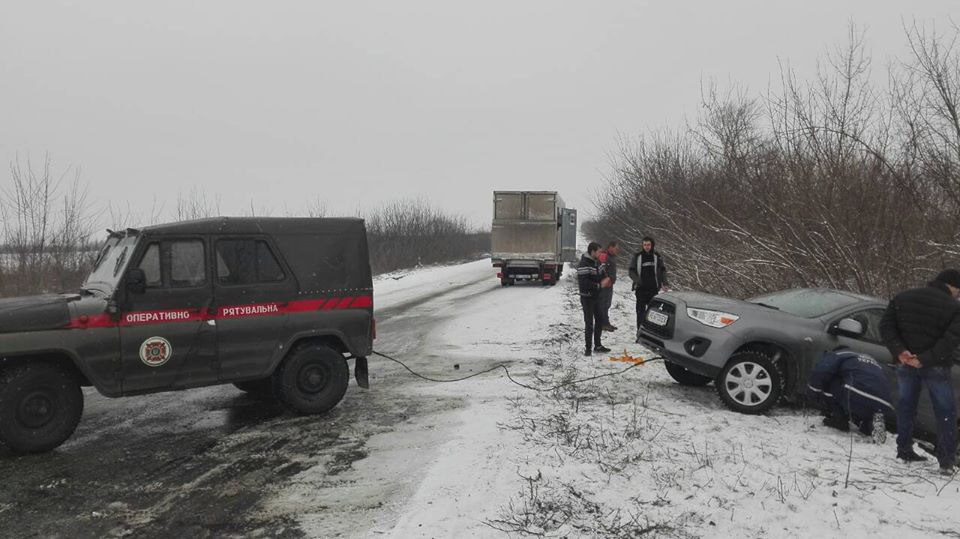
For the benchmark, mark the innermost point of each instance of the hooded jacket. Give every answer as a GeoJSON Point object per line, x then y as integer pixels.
{"type": "Point", "coordinates": [659, 274]}
{"type": "Point", "coordinates": [925, 321]}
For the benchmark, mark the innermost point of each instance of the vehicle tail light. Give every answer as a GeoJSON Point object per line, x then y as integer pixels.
{"type": "Point", "coordinates": [546, 276]}
{"type": "Point", "coordinates": [500, 275]}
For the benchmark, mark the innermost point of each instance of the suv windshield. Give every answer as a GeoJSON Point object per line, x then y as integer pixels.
{"type": "Point", "coordinates": [806, 303]}
{"type": "Point", "coordinates": [110, 264]}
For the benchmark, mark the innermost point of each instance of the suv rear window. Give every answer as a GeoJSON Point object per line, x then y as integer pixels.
{"type": "Point", "coordinates": [247, 261]}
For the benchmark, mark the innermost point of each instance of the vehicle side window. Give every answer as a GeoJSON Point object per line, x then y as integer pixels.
{"type": "Point", "coordinates": [150, 264]}
{"type": "Point", "coordinates": [871, 323]}
{"type": "Point", "coordinates": [187, 266]}
{"type": "Point", "coordinates": [247, 261]}
{"type": "Point", "coordinates": [268, 268]}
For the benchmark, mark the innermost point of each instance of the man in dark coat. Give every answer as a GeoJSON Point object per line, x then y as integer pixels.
{"type": "Point", "coordinates": [852, 386]}
{"type": "Point", "coordinates": [589, 277]}
{"type": "Point", "coordinates": [649, 276]}
{"type": "Point", "coordinates": [921, 328]}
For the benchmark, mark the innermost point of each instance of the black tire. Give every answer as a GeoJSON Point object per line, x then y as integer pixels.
{"type": "Point", "coordinates": [40, 406]}
{"type": "Point", "coordinates": [312, 379]}
{"type": "Point", "coordinates": [504, 282]}
{"type": "Point", "coordinates": [256, 387]}
{"type": "Point", "coordinates": [685, 377]}
{"type": "Point", "coordinates": [750, 383]}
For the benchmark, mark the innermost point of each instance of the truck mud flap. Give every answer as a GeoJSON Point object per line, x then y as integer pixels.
{"type": "Point", "coordinates": [361, 373]}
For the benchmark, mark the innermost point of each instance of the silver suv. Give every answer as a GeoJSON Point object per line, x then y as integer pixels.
{"type": "Point", "coordinates": [763, 349]}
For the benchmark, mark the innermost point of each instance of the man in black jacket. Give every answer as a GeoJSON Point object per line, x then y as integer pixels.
{"type": "Point", "coordinates": [921, 328]}
{"type": "Point", "coordinates": [649, 276]}
{"type": "Point", "coordinates": [589, 277]}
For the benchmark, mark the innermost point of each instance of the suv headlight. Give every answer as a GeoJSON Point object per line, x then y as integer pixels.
{"type": "Point", "coordinates": [714, 319]}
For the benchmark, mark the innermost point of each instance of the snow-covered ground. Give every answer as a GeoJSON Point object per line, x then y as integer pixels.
{"type": "Point", "coordinates": [621, 456]}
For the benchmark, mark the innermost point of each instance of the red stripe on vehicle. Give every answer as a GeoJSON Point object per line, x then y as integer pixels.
{"type": "Point", "coordinates": [305, 305]}
{"type": "Point", "coordinates": [169, 316]}
{"type": "Point", "coordinates": [363, 302]}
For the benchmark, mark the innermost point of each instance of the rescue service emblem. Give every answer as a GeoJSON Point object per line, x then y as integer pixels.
{"type": "Point", "coordinates": [155, 351]}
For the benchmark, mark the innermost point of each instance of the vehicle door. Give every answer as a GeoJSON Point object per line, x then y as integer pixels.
{"type": "Point", "coordinates": [253, 292]}
{"type": "Point", "coordinates": [869, 343]}
{"type": "Point", "coordinates": [166, 339]}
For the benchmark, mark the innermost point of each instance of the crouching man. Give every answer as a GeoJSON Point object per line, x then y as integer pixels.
{"type": "Point", "coordinates": [852, 387]}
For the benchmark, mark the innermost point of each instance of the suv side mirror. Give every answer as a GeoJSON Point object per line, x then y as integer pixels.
{"type": "Point", "coordinates": [136, 281]}
{"type": "Point", "coordinates": [848, 327]}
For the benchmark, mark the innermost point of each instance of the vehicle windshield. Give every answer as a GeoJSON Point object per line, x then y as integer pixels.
{"type": "Point", "coordinates": [806, 303]}
{"type": "Point", "coordinates": [110, 264]}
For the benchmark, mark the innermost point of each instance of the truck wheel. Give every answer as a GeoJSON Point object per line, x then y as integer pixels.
{"type": "Point", "coordinates": [750, 383]}
{"type": "Point", "coordinates": [257, 387]}
{"type": "Point", "coordinates": [40, 406]}
{"type": "Point", "coordinates": [685, 377]}
{"type": "Point", "coordinates": [312, 379]}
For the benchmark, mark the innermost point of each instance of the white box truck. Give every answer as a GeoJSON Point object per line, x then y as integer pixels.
{"type": "Point", "coordinates": [533, 235]}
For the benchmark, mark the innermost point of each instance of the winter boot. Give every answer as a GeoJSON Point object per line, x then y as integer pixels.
{"type": "Point", "coordinates": [601, 348]}
{"type": "Point", "coordinates": [910, 456]}
{"type": "Point", "coordinates": [839, 422]}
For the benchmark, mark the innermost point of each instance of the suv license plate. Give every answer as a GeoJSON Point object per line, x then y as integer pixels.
{"type": "Point", "coordinates": [658, 318]}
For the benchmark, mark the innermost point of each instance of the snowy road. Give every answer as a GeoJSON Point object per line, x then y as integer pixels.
{"type": "Point", "coordinates": [216, 461]}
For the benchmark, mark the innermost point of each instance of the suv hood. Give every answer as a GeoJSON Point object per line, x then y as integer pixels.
{"type": "Point", "coordinates": [35, 313]}
{"type": "Point", "coordinates": [700, 300]}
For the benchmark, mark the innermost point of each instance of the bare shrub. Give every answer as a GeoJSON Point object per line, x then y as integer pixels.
{"type": "Point", "coordinates": [825, 183]}
{"type": "Point", "coordinates": [409, 233]}
{"type": "Point", "coordinates": [46, 229]}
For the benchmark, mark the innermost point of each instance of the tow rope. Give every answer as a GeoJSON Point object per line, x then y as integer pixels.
{"type": "Point", "coordinates": [635, 362]}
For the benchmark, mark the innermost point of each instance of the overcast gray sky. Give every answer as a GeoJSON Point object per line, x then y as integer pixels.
{"type": "Point", "coordinates": [362, 102]}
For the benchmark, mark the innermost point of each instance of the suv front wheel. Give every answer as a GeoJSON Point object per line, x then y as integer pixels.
{"type": "Point", "coordinates": [312, 379]}
{"type": "Point", "coordinates": [750, 383]}
{"type": "Point", "coordinates": [40, 406]}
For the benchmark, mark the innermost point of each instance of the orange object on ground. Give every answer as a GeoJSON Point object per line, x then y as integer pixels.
{"type": "Point", "coordinates": [627, 358]}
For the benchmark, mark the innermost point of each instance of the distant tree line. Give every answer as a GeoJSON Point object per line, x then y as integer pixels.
{"type": "Point", "coordinates": [831, 182]}
{"type": "Point", "coordinates": [50, 233]}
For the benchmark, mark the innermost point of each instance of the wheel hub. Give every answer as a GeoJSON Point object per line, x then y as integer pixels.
{"type": "Point", "coordinates": [749, 384]}
{"type": "Point", "coordinates": [36, 409]}
{"type": "Point", "coordinates": [312, 379]}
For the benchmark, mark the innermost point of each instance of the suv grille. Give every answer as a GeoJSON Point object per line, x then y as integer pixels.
{"type": "Point", "coordinates": [669, 309]}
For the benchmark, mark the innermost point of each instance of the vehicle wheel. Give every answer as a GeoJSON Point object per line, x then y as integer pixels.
{"type": "Point", "coordinates": [750, 383]}
{"type": "Point", "coordinates": [685, 377]}
{"type": "Point", "coordinates": [312, 379]}
{"type": "Point", "coordinates": [258, 387]}
{"type": "Point", "coordinates": [40, 406]}
{"type": "Point", "coordinates": [504, 282]}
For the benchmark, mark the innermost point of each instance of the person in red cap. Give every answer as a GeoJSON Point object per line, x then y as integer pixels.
{"type": "Point", "coordinates": [921, 328]}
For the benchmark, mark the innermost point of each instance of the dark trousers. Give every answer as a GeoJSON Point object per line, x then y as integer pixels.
{"type": "Point", "coordinates": [937, 379]}
{"type": "Point", "coordinates": [593, 321]}
{"type": "Point", "coordinates": [644, 297]}
{"type": "Point", "coordinates": [606, 300]}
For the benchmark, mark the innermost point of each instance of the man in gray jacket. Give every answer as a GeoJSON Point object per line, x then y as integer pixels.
{"type": "Point", "coordinates": [606, 293]}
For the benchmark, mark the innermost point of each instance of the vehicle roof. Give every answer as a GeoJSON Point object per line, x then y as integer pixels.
{"type": "Point", "coordinates": [255, 225]}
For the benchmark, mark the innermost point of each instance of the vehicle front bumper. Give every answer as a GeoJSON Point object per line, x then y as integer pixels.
{"type": "Point", "coordinates": [699, 348]}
